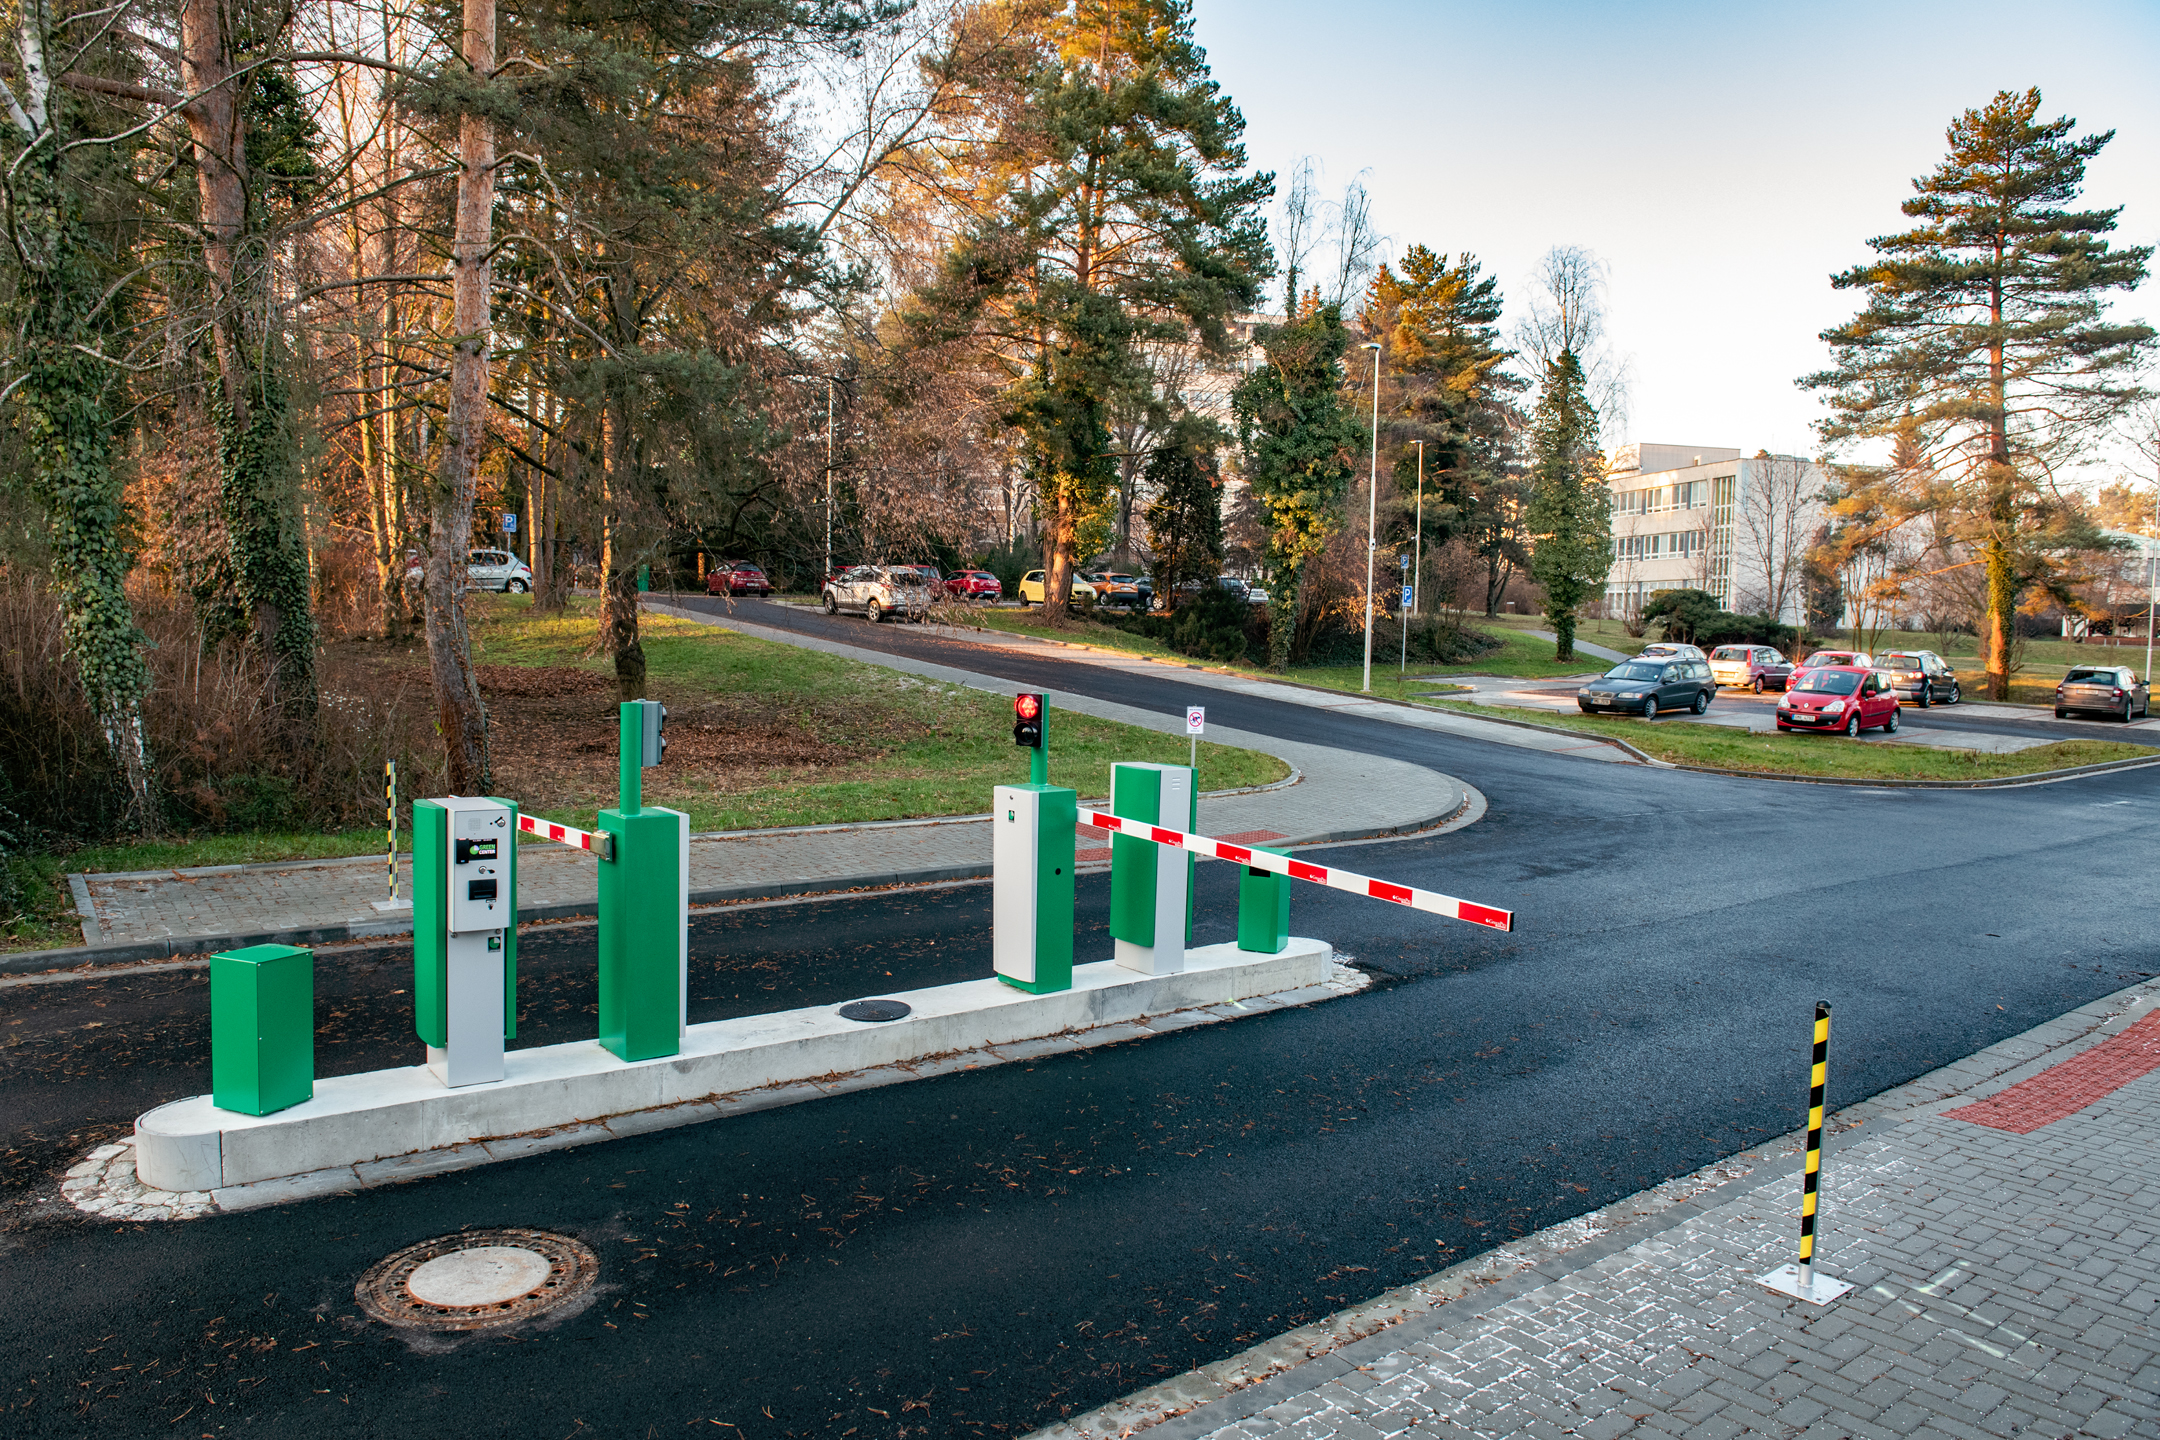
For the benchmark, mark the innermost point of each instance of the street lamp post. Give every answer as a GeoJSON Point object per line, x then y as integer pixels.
{"type": "Point", "coordinates": [2152, 585]}
{"type": "Point", "coordinates": [828, 481]}
{"type": "Point", "coordinates": [1372, 504]}
{"type": "Point", "coordinates": [1417, 549]}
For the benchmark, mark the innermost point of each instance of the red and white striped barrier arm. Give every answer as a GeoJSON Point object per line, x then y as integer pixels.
{"type": "Point", "coordinates": [599, 842]}
{"type": "Point", "coordinates": [1430, 901]}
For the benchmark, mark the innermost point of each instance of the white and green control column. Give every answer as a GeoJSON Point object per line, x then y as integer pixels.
{"type": "Point", "coordinates": [1150, 884]}
{"type": "Point", "coordinates": [1031, 854]}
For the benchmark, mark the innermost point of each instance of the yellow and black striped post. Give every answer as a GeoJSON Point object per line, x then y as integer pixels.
{"type": "Point", "coordinates": [389, 786]}
{"type": "Point", "coordinates": [1814, 1145]}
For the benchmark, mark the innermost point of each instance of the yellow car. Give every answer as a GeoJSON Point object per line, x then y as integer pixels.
{"type": "Point", "coordinates": [1031, 590]}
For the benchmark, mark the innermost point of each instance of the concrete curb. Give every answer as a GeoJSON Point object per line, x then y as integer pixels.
{"type": "Point", "coordinates": [2001, 782]}
{"type": "Point", "coordinates": [1241, 1386]}
{"type": "Point", "coordinates": [1469, 806]}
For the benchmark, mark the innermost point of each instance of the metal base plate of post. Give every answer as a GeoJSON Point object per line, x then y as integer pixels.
{"type": "Point", "coordinates": [1820, 1289]}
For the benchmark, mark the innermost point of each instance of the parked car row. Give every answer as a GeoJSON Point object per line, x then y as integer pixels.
{"type": "Point", "coordinates": [1844, 690]}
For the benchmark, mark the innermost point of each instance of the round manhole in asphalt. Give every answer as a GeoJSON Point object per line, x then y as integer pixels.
{"type": "Point", "coordinates": [875, 1010]}
{"type": "Point", "coordinates": [477, 1280]}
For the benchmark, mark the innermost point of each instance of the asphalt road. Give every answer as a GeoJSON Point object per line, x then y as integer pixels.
{"type": "Point", "coordinates": [981, 1253]}
{"type": "Point", "coordinates": [1032, 669]}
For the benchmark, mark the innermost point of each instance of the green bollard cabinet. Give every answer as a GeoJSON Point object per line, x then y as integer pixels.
{"type": "Point", "coordinates": [262, 1028]}
{"type": "Point", "coordinates": [1263, 909]}
{"type": "Point", "coordinates": [644, 907]}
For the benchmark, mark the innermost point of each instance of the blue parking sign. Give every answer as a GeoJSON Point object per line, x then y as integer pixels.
{"type": "Point", "coordinates": [509, 523]}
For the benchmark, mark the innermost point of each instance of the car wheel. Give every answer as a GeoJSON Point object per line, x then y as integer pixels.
{"type": "Point", "coordinates": [2126, 711]}
{"type": "Point", "coordinates": [1926, 696]}
{"type": "Point", "coordinates": [832, 606]}
{"type": "Point", "coordinates": [1889, 726]}
{"type": "Point", "coordinates": [1955, 693]}
{"type": "Point", "coordinates": [1702, 701]}
{"type": "Point", "coordinates": [2061, 714]}
{"type": "Point", "coordinates": [1649, 707]}
{"type": "Point", "coordinates": [1852, 726]}
{"type": "Point", "coordinates": [1758, 684]}
{"type": "Point", "coordinates": [874, 610]}
{"type": "Point", "coordinates": [517, 587]}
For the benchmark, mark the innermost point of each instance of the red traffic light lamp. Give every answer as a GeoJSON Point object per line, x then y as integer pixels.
{"type": "Point", "coordinates": [1030, 717]}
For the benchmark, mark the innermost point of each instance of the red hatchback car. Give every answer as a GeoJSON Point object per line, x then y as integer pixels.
{"type": "Point", "coordinates": [1839, 697]}
{"type": "Point", "coordinates": [974, 585]}
{"type": "Point", "coordinates": [737, 578]}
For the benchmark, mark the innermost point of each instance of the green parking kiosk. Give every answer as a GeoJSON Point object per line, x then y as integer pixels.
{"type": "Point", "coordinates": [262, 1028]}
{"type": "Point", "coordinates": [1150, 884]}
{"type": "Point", "coordinates": [465, 934]}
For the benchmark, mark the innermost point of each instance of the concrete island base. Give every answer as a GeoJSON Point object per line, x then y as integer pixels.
{"type": "Point", "coordinates": [390, 1125]}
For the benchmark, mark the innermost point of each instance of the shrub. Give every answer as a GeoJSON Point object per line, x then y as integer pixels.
{"type": "Point", "coordinates": [1694, 617]}
{"type": "Point", "coordinates": [221, 762]}
{"type": "Point", "coordinates": [1216, 625]}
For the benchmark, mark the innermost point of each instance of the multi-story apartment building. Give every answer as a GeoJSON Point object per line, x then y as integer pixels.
{"type": "Point", "coordinates": [1702, 517]}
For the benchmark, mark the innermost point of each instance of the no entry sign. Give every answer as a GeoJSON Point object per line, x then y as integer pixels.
{"type": "Point", "coordinates": [1195, 719]}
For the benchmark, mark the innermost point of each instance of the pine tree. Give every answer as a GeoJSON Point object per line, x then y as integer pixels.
{"type": "Point", "coordinates": [1570, 512]}
{"type": "Point", "coordinates": [1440, 320]}
{"type": "Point", "coordinates": [1301, 441]}
{"type": "Point", "coordinates": [1185, 518]}
{"type": "Point", "coordinates": [1110, 216]}
{"type": "Point", "coordinates": [1985, 338]}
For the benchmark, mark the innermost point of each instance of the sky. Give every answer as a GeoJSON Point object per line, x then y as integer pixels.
{"type": "Point", "coordinates": [1722, 159]}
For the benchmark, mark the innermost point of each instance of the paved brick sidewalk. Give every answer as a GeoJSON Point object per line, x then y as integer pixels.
{"type": "Point", "coordinates": [1336, 794]}
{"type": "Point", "coordinates": [2006, 1283]}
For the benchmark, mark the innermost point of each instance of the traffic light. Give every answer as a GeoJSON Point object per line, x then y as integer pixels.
{"type": "Point", "coordinates": [1028, 721]}
{"type": "Point", "coordinates": [652, 736]}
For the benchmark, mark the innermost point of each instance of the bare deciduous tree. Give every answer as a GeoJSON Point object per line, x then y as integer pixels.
{"type": "Point", "coordinates": [1567, 314]}
{"type": "Point", "coordinates": [1777, 510]}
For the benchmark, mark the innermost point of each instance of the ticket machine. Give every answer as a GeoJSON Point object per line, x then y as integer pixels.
{"type": "Point", "coordinates": [465, 934]}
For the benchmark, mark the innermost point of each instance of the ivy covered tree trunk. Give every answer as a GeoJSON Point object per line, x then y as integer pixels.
{"type": "Point", "coordinates": [63, 397]}
{"type": "Point", "coordinates": [258, 458]}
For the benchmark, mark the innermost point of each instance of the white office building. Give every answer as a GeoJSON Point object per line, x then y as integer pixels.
{"type": "Point", "coordinates": [1701, 517]}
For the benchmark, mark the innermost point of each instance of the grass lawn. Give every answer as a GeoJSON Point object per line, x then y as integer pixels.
{"type": "Point", "coordinates": [759, 734]}
{"type": "Point", "coordinates": [1725, 748]}
{"type": "Point", "coordinates": [1520, 656]}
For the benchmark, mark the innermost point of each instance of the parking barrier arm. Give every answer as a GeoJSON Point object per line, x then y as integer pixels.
{"type": "Point", "coordinates": [601, 844]}
{"type": "Point", "coordinates": [1430, 901]}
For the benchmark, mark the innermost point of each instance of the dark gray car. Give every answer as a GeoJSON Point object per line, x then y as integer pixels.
{"type": "Point", "coordinates": [2103, 689]}
{"type": "Point", "coordinates": [1644, 687]}
{"type": "Point", "coordinates": [1922, 676]}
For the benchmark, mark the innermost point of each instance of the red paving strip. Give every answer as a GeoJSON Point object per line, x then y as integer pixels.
{"type": "Point", "coordinates": [1099, 850]}
{"type": "Point", "coordinates": [2067, 1088]}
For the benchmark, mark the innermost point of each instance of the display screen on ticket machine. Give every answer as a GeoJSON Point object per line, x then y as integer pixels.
{"type": "Point", "coordinates": [479, 855]}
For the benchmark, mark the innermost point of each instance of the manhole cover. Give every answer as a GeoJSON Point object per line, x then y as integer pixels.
{"type": "Point", "coordinates": [874, 1010]}
{"type": "Point", "coordinates": [478, 1280]}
